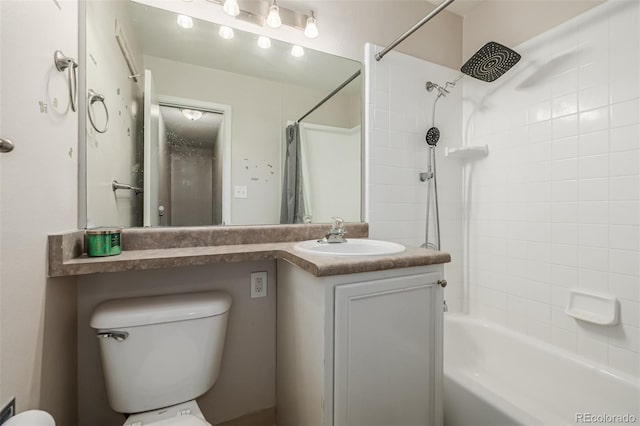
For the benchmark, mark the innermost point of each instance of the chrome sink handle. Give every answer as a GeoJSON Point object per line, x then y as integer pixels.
{"type": "Point", "coordinates": [338, 224]}
{"type": "Point", "coordinates": [336, 233]}
{"type": "Point", "coordinates": [117, 335]}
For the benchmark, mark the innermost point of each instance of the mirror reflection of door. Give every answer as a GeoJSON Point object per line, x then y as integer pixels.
{"type": "Point", "coordinates": [189, 166]}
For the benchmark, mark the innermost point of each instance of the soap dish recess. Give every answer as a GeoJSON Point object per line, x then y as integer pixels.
{"type": "Point", "coordinates": [597, 308]}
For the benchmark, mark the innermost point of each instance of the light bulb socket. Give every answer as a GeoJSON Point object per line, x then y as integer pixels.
{"type": "Point", "coordinates": [273, 18]}
{"type": "Point", "coordinates": [185, 21]}
{"type": "Point", "coordinates": [226, 32]}
{"type": "Point", "coordinates": [297, 51]}
{"type": "Point", "coordinates": [264, 42]}
{"type": "Point", "coordinates": [231, 7]}
{"type": "Point", "coordinates": [311, 27]}
{"type": "Point", "coordinates": [192, 114]}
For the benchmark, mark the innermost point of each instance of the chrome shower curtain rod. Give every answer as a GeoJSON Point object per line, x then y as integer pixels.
{"type": "Point", "coordinates": [330, 95]}
{"type": "Point", "coordinates": [413, 29]}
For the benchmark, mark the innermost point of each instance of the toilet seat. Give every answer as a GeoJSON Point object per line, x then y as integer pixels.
{"type": "Point", "coordinates": [184, 414]}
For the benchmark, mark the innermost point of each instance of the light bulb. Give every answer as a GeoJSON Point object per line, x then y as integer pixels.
{"type": "Point", "coordinates": [185, 21]}
{"type": "Point", "coordinates": [192, 114]}
{"type": "Point", "coordinates": [311, 29]}
{"type": "Point", "coordinates": [264, 42]}
{"type": "Point", "coordinates": [226, 32]}
{"type": "Point", "coordinates": [297, 51]}
{"type": "Point", "coordinates": [231, 7]}
{"type": "Point", "coordinates": [273, 19]}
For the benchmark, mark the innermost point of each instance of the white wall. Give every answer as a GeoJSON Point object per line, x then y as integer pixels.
{"type": "Point", "coordinates": [112, 155]}
{"type": "Point", "coordinates": [247, 377]}
{"type": "Point", "coordinates": [38, 195]}
{"type": "Point", "coordinates": [555, 205]}
{"type": "Point", "coordinates": [260, 111]}
{"type": "Point", "coordinates": [398, 111]}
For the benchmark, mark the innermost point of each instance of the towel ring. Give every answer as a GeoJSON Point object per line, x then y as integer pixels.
{"type": "Point", "coordinates": [93, 98]}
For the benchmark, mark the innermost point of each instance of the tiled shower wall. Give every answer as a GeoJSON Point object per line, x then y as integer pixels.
{"type": "Point", "coordinates": [399, 112]}
{"type": "Point", "coordinates": [555, 205]}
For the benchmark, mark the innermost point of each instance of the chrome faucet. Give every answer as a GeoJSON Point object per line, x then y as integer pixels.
{"type": "Point", "coordinates": [336, 233]}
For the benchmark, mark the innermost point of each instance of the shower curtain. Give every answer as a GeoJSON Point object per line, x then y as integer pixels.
{"type": "Point", "coordinates": [292, 208]}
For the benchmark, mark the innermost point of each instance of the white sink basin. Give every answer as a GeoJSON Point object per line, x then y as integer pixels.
{"type": "Point", "coordinates": [353, 247]}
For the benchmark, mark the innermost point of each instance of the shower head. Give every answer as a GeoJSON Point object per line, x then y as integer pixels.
{"type": "Point", "coordinates": [490, 62]}
{"type": "Point", "coordinates": [433, 136]}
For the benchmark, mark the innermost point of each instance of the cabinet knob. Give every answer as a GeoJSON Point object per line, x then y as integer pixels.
{"type": "Point", "coordinates": [442, 283]}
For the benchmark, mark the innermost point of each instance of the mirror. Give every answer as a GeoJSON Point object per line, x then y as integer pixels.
{"type": "Point", "coordinates": [185, 127]}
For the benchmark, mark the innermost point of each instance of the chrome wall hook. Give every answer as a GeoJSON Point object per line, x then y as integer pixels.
{"type": "Point", "coordinates": [66, 63]}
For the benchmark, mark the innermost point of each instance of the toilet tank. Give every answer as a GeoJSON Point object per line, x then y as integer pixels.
{"type": "Point", "coordinates": [159, 351]}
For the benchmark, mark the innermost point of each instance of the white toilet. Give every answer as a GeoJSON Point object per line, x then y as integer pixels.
{"type": "Point", "coordinates": [159, 353]}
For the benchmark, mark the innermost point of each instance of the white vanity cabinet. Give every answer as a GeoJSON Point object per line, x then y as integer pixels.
{"type": "Point", "coordinates": [359, 349]}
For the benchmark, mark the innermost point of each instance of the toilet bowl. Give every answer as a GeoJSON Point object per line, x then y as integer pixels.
{"type": "Point", "coordinates": [159, 353]}
{"type": "Point", "coordinates": [31, 418]}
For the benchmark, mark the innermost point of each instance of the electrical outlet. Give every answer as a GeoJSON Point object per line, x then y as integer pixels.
{"type": "Point", "coordinates": [239, 191]}
{"type": "Point", "coordinates": [258, 284]}
{"type": "Point", "coordinates": [8, 411]}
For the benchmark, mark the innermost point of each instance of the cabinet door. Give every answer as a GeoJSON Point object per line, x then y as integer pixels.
{"type": "Point", "coordinates": [388, 352]}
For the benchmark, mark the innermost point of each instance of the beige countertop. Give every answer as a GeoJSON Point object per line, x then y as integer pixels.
{"type": "Point", "coordinates": [183, 247]}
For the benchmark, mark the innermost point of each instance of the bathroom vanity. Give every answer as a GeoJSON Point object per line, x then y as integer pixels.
{"type": "Point", "coordinates": [356, 339]}
{"type": "Point", "coordinates": [359, 349]}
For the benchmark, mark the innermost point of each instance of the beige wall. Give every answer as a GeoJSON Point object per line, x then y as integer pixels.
{"type": "Point", "coordinates": [247, 378]}
{"type": "Point", "coordinates": [38, 195]}
{"type": "Point", "coordinates": [260, 111]}
{"type": "Point", "coordinates": [511, 22]}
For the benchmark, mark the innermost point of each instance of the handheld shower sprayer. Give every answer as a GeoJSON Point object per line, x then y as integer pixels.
{"type": "Point", "coordinates": [432, 138]}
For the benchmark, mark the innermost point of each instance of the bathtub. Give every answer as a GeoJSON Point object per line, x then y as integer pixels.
{"type": "Point", "coordinates": [494, 376]}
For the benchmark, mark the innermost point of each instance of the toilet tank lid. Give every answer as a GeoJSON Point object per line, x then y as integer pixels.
{"type": "Point", "coordinates": [138, 311]}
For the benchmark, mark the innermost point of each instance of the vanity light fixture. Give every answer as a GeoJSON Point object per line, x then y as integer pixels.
{"type": "Point", "coordinates": [297, 51]}
{"type": "Point", "coordinates": [311, 27]}
{"type": "Point", "coordinates": [226, 32]}
{"type": "Point", "coordinates": [273, 19]}
{"type": "Point", "coordinates": [231, 7]}
{"type": "Point", "coordinates": [192, 114]}
{"type": "Point", "coordinates": [264, 42]}
{"type": "Point", "coordinates": [185, 21]}
{"type": "Point", "coordinates": [269, 13]}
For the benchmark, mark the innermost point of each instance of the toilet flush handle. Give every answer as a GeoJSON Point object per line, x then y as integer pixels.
{"type": "Point", "coordinates": [113, 334]}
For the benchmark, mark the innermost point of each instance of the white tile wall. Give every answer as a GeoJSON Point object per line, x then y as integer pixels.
{"type": "Point", "coordinates": [556, 204]}
{"type": "Point", "coordinates": [398, 114]}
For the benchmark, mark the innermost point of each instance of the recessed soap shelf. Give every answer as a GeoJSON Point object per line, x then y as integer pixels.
{"type": "Point", "coordinates": [596, 308]}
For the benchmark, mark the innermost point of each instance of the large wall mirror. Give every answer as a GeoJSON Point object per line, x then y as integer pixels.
{"type": "Point", "coordinates": [189, 126]}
